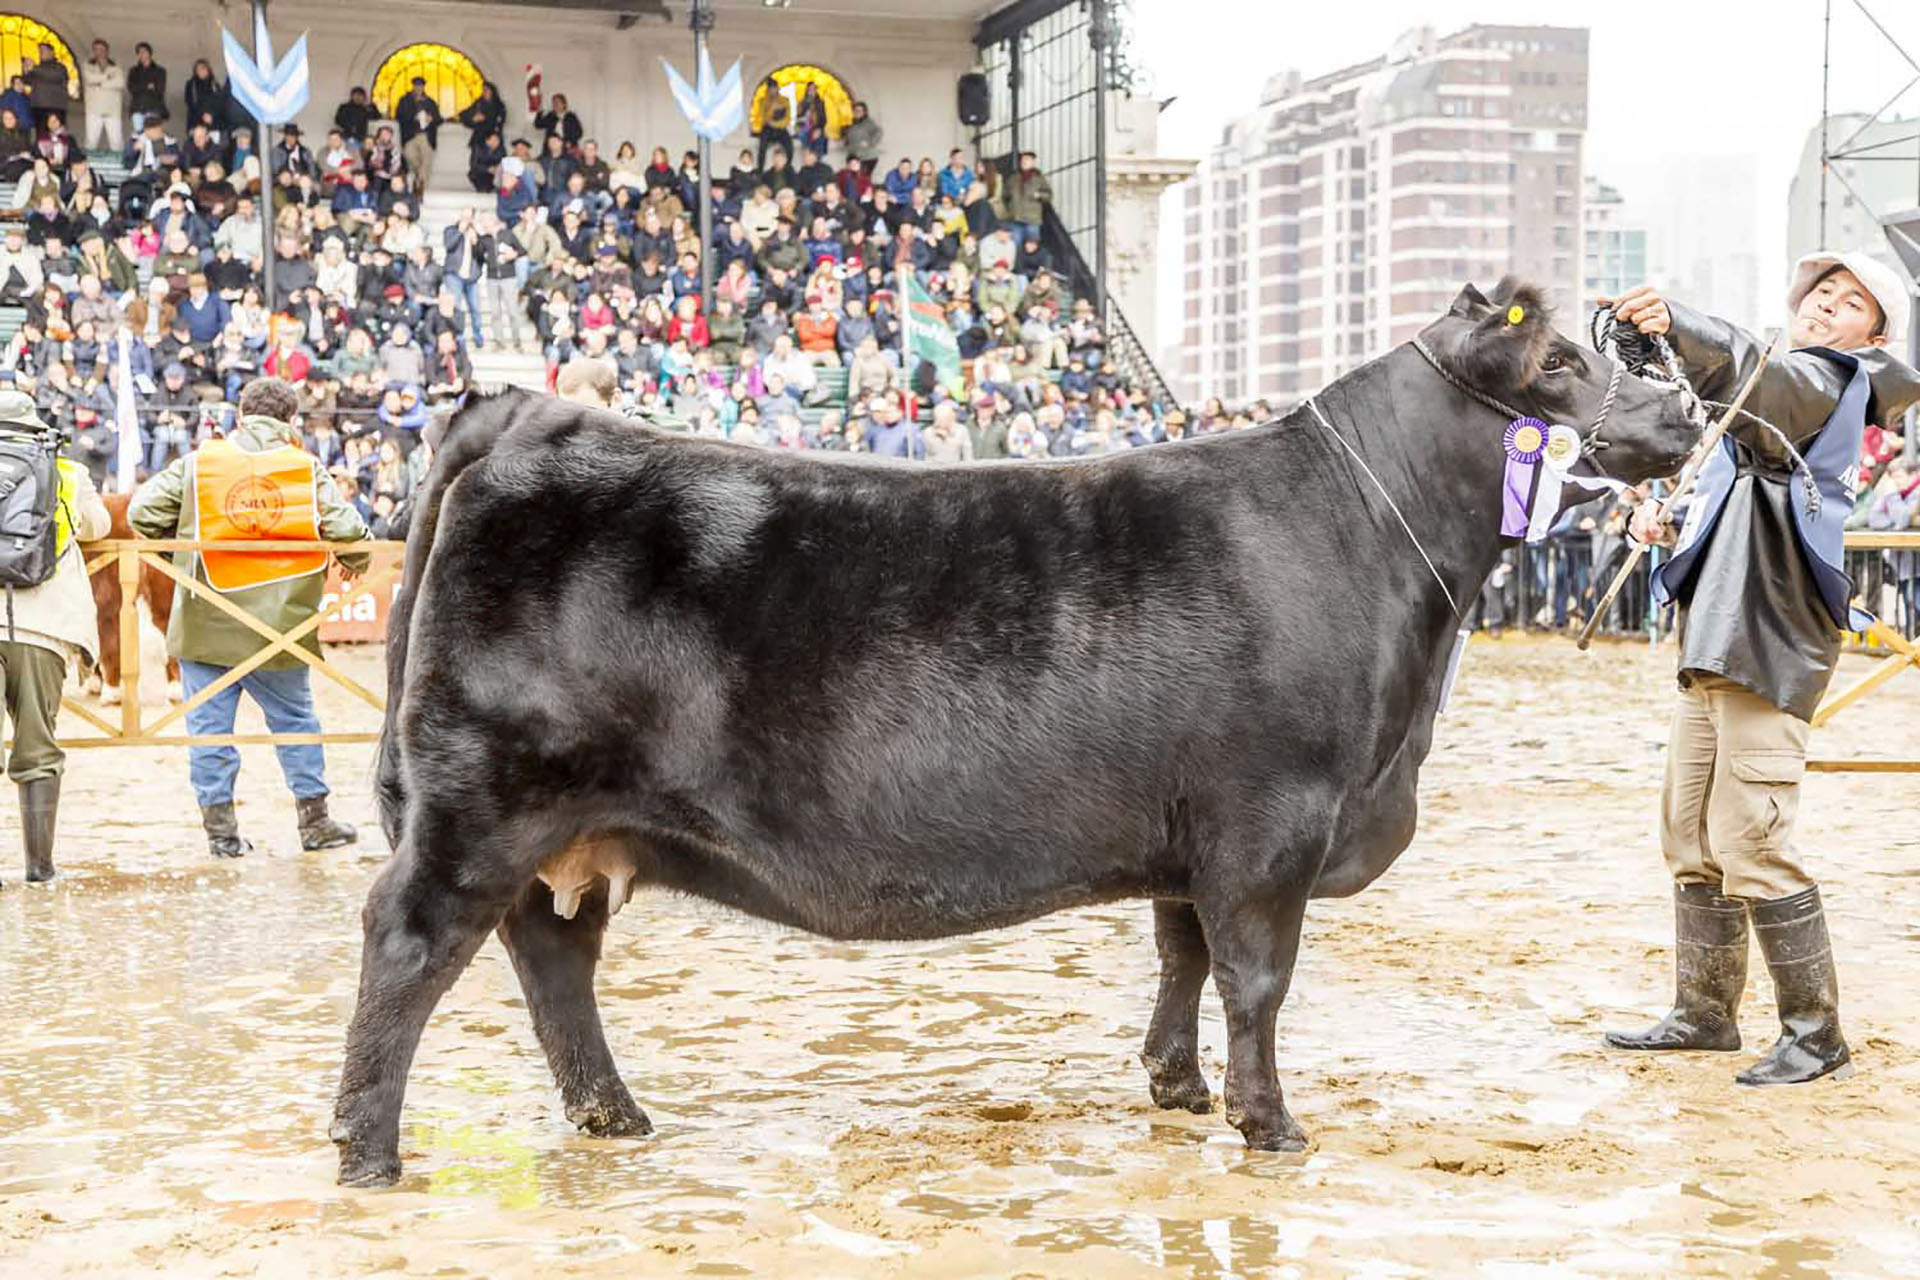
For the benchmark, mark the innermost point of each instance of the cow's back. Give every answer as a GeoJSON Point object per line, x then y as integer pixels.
{"type": "Point", "coordinates": [1012, 668]}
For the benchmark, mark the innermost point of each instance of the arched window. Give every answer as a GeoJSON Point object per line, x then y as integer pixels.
{"type": "Point", "coordinates": [792, 82]}
{"type": "Point", "coordinates": [20, 41]}
{"type": "Point", "coordinates": [452, 79]}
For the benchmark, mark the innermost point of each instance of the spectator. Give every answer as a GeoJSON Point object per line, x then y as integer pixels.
{"type": "Point", "coordinates": [484, 115]}
{"type": "Point", "coordinates": [815, 330]}
{"type": "Point", "coordinates": [466, 257]}
{"type": "Point", "coordinates": [206, 98]}
{"type": "Point", "coordinates": [957, 179]}
{"type": "Point", "coordinates": [400, 359]}
{"type": "Point", "coordinates": [902, 182]}
{"type": "Point", "coordinates": [946, 440]}
{"type": "Point", "coordinates": [1025, 198]}
{"type": "Point", "coordinates": [172, 415]}
{"type": "Point", "coordinates": [204, 313]}
{"type": "Point", "coordinates": [450, 371]}
{"type": "Point", "coordinates": [104, 82]}
{"type": "Point", "coordinates": [354, 116]}
{"type": "Point", "coordinates": [47, 86]}
{"type": "Point", "coordinates": [146, 87]}
{"type": "Point", "coordinates": [870, 372]}
{"type": "Point", "coordinates": [558, 121]}
{"type": "Point", "coordinates": [419, 117]}
{"type": "Point", "coordinates": [776, 122]}
{"type": "Point", "coordinates": [862, 139]}
{"type": "Point", "coordinates": [287, 361]}
{"type": "Point", "coordinates": [891, 435]}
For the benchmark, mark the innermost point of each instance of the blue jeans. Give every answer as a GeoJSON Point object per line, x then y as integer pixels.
{"type": "Point", "coordinates": [168, 442]}
{"type": "Point", "coordinates": [285, 698]}
{"type": "Point", "coordinates": [469, 293]}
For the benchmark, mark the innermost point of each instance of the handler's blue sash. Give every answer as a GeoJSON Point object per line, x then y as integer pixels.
{"type": "Point", "coordinates": [1834, 459]}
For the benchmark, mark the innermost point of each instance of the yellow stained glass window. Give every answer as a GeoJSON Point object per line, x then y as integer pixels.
{"type": "Point", "coordinates": [20, 41]}
{"type": "Point", "coordinates": [791, 83]}
{"type": "Point", "coordinates": [452, 80]}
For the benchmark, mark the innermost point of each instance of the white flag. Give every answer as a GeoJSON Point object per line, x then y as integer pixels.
{"type": "Point", "coordinates": [127, 466]}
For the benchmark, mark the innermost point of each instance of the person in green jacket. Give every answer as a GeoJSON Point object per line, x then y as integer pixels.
{"type": "Point", "coordinates": [209, 643]}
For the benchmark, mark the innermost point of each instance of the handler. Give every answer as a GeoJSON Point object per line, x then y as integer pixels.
{"type": "Point", "coordinates": [49, 622]}
{"type": "Point", "coordinates": [1763, 598]}
{"type": "Point", "coordinates": [255, 483]}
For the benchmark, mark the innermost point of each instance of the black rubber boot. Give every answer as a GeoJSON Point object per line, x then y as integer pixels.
{"type": "Point", "coordinates": [1710, 975]}
{"type": "Point", "coordinates": [223, 831]}
{"type": "Point", "coordinates": [1793, 937]}
{"type": "Point", "coordinates": [39, 805]}
{"type": "Point", "coordinates": [317, 829]}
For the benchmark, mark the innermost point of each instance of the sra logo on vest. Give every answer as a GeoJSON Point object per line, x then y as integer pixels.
{"type": "Point", "coordinates": [268, 496]}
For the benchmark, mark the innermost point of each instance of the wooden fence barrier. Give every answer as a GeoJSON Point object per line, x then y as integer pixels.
{"type": "Point", "coordinates": [131, 555]}
{"type": "Point", "coordinates": [1904, 652]}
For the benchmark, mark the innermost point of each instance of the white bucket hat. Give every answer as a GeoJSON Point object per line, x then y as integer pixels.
{"type": "Point", "coordinates": [1886, 285]}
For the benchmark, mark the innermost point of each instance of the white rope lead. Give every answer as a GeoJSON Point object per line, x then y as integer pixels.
{"type": "Point", "coordinates": [1391, 504]}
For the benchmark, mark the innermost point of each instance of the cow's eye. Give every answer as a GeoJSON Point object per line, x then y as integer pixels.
{"type": "Point", "coordinates": [1554, 363]}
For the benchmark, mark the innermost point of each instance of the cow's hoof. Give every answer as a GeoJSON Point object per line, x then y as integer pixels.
{"type": "Point", "coordinates": [110, 696]}
{"type": "Point", "coordinates": [175, 693]}
{"type": "Point", "coordinates": [92, 685]}
{"type": "Point", "coordinates": [369, 1171]}
{"type": "Point", "coordinates": [1294, 1139]}
{"type": "Point", "coordinates": [1274, 1131]}
{"type": "Point", "coordinates": [620, 1119]}
{"type": "Point", "coordinates": [1186, 1093]}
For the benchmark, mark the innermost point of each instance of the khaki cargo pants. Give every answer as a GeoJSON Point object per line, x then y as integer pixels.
{"type": "Point", "coordinates": [1732, 791]}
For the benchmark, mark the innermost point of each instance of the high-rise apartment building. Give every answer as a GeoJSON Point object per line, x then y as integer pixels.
{"type": "Point", "coordinates": [1349, 209]}
{"type": "Point", "coordinates": [1616, 258]}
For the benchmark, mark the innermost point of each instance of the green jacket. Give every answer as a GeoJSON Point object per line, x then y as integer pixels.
{"type": "Point", "coordinates": [163, 508]}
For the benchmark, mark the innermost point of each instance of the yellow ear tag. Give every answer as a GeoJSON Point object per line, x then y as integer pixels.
{"type": "Point", "coordinates": [1516, 313]}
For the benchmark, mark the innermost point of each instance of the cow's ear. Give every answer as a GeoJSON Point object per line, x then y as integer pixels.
{"type": "Point", "coordinates": [1471, 304]}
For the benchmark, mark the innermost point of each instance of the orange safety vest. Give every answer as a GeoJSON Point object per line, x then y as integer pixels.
{"type": "Point", "coordinates": [239, 495]}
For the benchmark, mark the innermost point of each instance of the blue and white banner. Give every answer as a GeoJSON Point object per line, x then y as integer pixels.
{"type": "Point", "coordinates": [273, 92]}
{"type": "Point", "coordinates": [713, 109]}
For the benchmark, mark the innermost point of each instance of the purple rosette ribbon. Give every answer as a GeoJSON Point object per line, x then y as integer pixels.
{"type": "Point", "coordinates": [1525, 443]}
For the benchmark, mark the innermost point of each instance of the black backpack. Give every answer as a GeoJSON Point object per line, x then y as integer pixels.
{"type": "Point", "coordinates": [29, 505]}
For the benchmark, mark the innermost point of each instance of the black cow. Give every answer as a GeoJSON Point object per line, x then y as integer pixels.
{"type": "Point", "coordinates": [837, 693]}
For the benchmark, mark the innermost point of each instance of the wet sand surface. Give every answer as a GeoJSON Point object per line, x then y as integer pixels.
{"type": "Point", "coordinates": [173, 1026]}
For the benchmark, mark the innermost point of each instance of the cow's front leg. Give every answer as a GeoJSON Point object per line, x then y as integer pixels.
{"type": "Point", "coordinates": [1171, 1054]}
{"type": "Point", "coordinates": [1254, 941]}
{"type": "Point", "coordinates": [427, 913]}
{"type": "Point", "coordinates": [556, 958]}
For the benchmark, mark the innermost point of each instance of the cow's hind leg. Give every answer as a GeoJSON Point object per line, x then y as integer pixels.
{"type": "Point", "coordinates": [1254, 941]}
{"type": "Point", "coordinates": [555, 958]}
{"type": "Point", "coordinates": [1171, 1054]}
{"type": "Point", "coordinates": [430, 908]}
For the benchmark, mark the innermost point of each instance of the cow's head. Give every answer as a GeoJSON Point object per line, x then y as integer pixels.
{"type": "Point", "coordinates": [1507, 348]}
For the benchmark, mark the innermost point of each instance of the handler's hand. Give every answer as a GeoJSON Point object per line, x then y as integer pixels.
{"type": "Point", "coordinates": [1651, 524]}
{"type": "Point", "coordinates": [1643, 308]}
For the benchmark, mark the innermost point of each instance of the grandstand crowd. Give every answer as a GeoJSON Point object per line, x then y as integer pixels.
{"type": "Point", "coordinates": [572, 250]}
{"type": "Point", "coordinates": [153, 288]}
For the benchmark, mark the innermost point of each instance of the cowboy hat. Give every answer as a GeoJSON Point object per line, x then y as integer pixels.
{"type": "Point", "coordinates": [1875, 276]}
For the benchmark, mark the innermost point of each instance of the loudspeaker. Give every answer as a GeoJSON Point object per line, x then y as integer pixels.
{"type": "Point", "coordinates": [974, 110]}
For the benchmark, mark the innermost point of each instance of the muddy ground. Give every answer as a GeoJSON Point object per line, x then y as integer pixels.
{"type": "Point", "coordinates": [172, 1027]}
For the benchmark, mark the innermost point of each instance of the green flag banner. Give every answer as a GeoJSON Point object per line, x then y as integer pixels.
{"type": "Point", "coordinates": [929, 337]}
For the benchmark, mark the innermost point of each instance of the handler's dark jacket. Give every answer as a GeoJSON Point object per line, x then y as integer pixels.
{"type": "Point", "coordinates": [1752, 610]}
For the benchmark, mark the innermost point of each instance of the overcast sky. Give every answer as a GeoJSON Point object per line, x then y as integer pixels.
{"type": "Point", "coordinates": [1668, 82]}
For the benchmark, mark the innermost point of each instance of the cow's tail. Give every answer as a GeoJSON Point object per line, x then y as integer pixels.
{"type": "Point", "coordinates": [468, 436]}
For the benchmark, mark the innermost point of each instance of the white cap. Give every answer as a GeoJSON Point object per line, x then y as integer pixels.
{"type": "Point", "coordinates": [1886, 285]}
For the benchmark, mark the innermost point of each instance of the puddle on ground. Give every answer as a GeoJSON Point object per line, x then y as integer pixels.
{"type": "Point", "coordinates": [972, 1106]}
